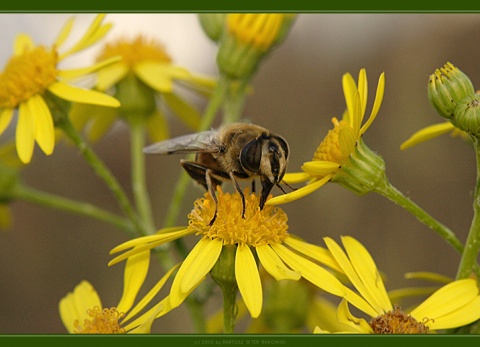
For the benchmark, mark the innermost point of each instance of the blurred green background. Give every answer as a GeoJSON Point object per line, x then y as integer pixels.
{"type": "Point", "coordinates": [296, 92]}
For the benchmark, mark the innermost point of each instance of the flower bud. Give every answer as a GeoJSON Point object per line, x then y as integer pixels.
{"type": "Point", "coordinates": [213, 24]}
{"type": "Point", "coordinates": [446, 87]}
{"type": "Point", "coordinates": [467, 115]}
{"type": "Point", "coordinates": [247, 38]}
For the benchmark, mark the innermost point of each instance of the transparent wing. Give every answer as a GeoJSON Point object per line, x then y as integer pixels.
{"type": "Point", "coordinates": [192, 143]}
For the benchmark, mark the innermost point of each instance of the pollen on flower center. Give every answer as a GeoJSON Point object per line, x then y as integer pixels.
{"type": "Point", "coordinates": [26, 75]}
{"type": "Point", "coordinates": [329, 148]}
{"type": "Point", "coordinates": [135, 51]}
{"type": "Point", "coordinates": [397, 322]}
{"type": "Point", "coordinates": [104, 321]}
{"type": "Point", "coordinates": [259, 227]}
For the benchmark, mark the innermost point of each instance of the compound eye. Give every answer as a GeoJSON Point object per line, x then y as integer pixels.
{"type": "Point", "coordinates": [251, 156]}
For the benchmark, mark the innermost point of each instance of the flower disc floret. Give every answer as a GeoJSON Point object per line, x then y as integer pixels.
{"type": "Point", "coordinates": [259, 227]}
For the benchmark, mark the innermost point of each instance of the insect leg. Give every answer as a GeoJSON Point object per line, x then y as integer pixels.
{"type": "Point", "coordinates": [211, 190]}
{"type": "Point", "coordinates": [239, 190]}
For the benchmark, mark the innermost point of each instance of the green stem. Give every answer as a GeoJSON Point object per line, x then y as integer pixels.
{"type": "Point", "coordinates": [139, 187]}
{"type": "Point", "coordinates": [41, 198]}
{"type": "Point", "coordinates": [468, 263]}
{"type": "Point", "coordinates": [103, 172]}
{"type": "Point", "coordinates": [234, 100]}
{"type": "Point", "coordinates": [390, 192]}
{"type": "Point", "coordinates": [229, 308]}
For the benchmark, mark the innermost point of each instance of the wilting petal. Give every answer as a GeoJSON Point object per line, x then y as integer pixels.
{"type": "Point", "coordinates": [74, 94]}
{"type": "Point", "coordinates": [248, 280]}
{"type": "Point", "coordinates": [74, 305]}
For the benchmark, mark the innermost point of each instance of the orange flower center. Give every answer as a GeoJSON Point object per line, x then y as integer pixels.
{"type": "Point", "coordinates": [397, 322]}
{"type": "Point", "coordinates": [26, 75]}
{"type": "Point", "coordinates": [268, 226]}
{"type": "Point", "coordinates": [135, 51]}
{"type": "Point", "coordinates": [329, 148]}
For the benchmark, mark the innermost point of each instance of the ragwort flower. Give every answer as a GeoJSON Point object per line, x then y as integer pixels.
{"type": "Point", "coordinates": [144, 74]}
{"type": "Point", "coordinates": [342, 156]}
{"type": "Point", "coordinates": [32, 79]}
{"type": "Point", "coordinates": [453, 305]}
{"type": "Point", "coordinates": [82, 311]}
{"type": "Point", "coordinates": [262, 234]}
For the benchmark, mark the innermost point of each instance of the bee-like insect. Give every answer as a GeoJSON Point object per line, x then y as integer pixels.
{"type": "Point", "coordinates": [234, 151]}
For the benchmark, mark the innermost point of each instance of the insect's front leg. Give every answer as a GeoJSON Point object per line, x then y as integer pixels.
{"type": "Point", "coordinates": [239, 190]}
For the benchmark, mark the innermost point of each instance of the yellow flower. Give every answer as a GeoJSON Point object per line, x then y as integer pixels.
{"type": "Point", "coordinates": [262, 234]}
{"type": "Point", "coordinates": [342, 145]}
{"type": "Point", "coordinates": [432, 132]}
{"type": "Point", "coordinates": [453, 305]}
{"type": "Point", "coordinates": [32, 78]}
{"type": "Point", "coordinates": [82, 311]}
{"type": "Point", "coordinates": [247, 38]}
{"type": "Point", "coordinates": [144, 72]}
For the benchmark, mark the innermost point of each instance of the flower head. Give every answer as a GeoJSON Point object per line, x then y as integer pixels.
{"type": "Point", "coordinates": [262, 234]}
{"type": "Point", "coordinates": [145, 72]}
{"type": "Point", "coordinates": [82, 311]}
{"type": "Point", "coordinates": [453, 305]}
{"type": "Point", "coordinates": [342, 151]}
{"type": "Point", "coordinates": [32, 78]}
{"type": "Point", "coordinates": [247, 38]}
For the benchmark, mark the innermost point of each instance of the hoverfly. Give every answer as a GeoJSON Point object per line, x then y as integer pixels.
{"type": "Point", "coordinates": [234, 151]}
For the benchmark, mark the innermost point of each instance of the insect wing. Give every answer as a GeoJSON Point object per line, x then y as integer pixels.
{"type": "Point", "coordinates": [191, 143]}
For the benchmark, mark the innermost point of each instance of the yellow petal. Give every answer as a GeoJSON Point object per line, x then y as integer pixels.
{"type": "Point", "coordinates": [362, 92]}
{"type": "Point", "coordinates": [145, 243]}
{"type": "Point", "coordinates": [199, 268]}
{"type": "Point", "coordinates": [274, 265]}
{"type": "Point", "coordinates": [248, 280]}
{"type": "Point", "coordinates": [320, 168]}
{"type": "Point", "coordinates": [429, 276]}
{"type": "Point", "coordinates": [299, 193]}
{"type": "Point", "coordinates": [313, 251]}
{"type": "Point", "coordinates": [447, 299]}
{"type": "Point", "coordinates": [25, 133]}
{"type": "Point", "coordinates": [310, 271]}
{"type": "Point", "coordinates": [176, 294]}
{"type": "Point", "coordinates": [74, 94]}
{"type": "Point", "coordinates": [23, 43]}
{"type": "Point", "coordinates": [157, 76]}
{"type": "Point", "coordinates": [358, 325]}
{"type": "Point", "coordinates": [44, 130]}
{"type": "Point", "coordinates": [368, 293]}
{"type": "Point", "coordinates": [75, 73]}
{"type": "Point", "coordinates": [184, 111]}
{"type": "Point", "coordinates": [64, 33]}
{"type": "Point", "coordinates": [160, 309]}
{"type": "Point", "coordinates": [74, 305]}
{"type": "Point", "coordinates": [349, 92]}
{"type": "Point", "coordinates": [346, 139]}
{"type": "Point", "coordinates": [366, 270]}
{"type": "Point", "coordinates": [427, 133]}
{"type": "Point", "coordinates": [136, 270]}
{"type": "Point", "coordinates": [6, 116]}
{"type": "Point", "coordinates": [457, 318]}
{"type": "Point", "coordinates": [377, 103]}
{"type": "Point", "coordinates": [150, 295]}
{"type": "Point", "coordinates": [296, 177]}
{"type": "Point", "coordinates": [110, 75]}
